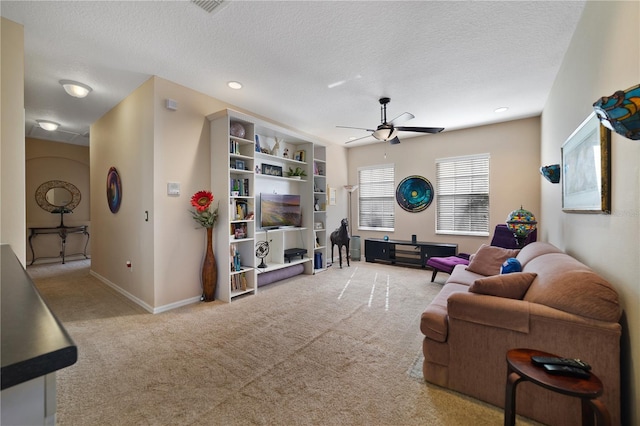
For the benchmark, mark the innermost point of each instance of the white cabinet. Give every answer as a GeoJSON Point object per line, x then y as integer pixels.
{"type": "Point", "coordinates": [245, 165]}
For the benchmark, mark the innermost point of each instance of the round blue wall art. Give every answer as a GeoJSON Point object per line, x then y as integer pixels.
{"type": "Point", "coordinates": [114, 190]}
{"type": "Point", "coordinates": [414, 194]}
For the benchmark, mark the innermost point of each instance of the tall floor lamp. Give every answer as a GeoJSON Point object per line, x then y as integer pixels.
{"type": "Point", "coordinates": [351, 189]}
{"type": "Point", "coordinates": [354, 246]}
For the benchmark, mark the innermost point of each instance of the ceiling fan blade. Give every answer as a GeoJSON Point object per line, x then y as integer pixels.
{"type": "Point", "coordinates": [394, 141]}
{"type": "Point", "coordinates": [421, 129]}
{"type": "Point", "coordinates": [353, 140]}
{"type": "Point", "coordinates": [405, 116]}
{"type": "Point", "coordinates": [358, 128]}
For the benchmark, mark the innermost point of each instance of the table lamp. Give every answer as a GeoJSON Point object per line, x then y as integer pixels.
{"type": "Point", "coordinates": [521, 222]}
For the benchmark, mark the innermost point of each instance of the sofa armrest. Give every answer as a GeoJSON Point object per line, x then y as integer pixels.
{"type": "Point", "coordinates": [492, 311]}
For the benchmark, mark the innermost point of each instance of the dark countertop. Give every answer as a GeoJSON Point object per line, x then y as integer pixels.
{"type": "Point", "coordinates": [34, 342]}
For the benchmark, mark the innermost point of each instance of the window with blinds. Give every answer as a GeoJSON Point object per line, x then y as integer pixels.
{"type": "Point", "coordinates": [377, 198]}
{"type": "Point", "coordinates": [462, 192]}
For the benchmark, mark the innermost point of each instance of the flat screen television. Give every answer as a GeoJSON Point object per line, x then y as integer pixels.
{"type": "Point", "coordinates": [278, 210]}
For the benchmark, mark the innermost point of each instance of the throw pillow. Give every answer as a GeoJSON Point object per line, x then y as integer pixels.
{"type": "Point", "coordinates": [511, 265]}
{"type": "Point", "coordinates": [511, 286]}
{"type": "Point", "coordinates": [488, 259]}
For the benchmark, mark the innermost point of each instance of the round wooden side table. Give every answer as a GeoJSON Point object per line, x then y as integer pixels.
{"type": "Point", "coordinates": [520, 368]}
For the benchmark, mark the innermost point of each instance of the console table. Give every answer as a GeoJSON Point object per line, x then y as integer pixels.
{"type": "Point", "coordinates": [62, 232]}
{"type": "Point", "coordinates": [408, 252]}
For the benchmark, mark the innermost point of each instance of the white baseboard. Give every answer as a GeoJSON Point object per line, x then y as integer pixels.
{"type": "Point", "coordinates": [140, 302]}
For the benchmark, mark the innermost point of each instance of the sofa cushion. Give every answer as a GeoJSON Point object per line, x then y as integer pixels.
{"type": "Point", "coordinates": [511, 286]}
{"type": "Point", "coordinates": [566, 284]}
{"type": "Point", "coordinates": [488, 259]}
{"type": "Point", "coordinates": [533, 250]}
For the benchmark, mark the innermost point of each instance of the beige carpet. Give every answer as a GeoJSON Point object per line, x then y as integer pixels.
{"type": "Point", "coordinates": [339, 348]}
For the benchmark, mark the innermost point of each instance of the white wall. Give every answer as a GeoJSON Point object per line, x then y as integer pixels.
{"type": "Point", "coordinates": [604, 56]}
{"type": "Point", "coordinates": [515, 180]}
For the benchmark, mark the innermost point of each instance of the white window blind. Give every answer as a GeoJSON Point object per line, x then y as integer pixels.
{"type": "Point", "coordinates": [377, 198]}
{"type": "Point", "coordinates": [463, 195]}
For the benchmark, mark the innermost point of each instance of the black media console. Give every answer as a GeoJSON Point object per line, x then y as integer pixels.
{"type": "Point", "coordinates": [400, 251]}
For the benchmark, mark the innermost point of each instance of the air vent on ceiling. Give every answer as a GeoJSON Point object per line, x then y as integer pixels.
{"type": "Point", "coordinates": [208, 5]}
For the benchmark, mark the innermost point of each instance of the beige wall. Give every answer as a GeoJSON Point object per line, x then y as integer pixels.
{"type": "Point", "coordinates": [604, 56]}
{"type": "Point", "coordinates": [123, 138]}
{"type": "Point", "coordinates": [45, 161]}
{"type": "Point", "coordinates": [12, 156]}
{"type": "Point", "coordinates": [514, 148]}
{"type": "Point", "coordinates": [181, 154]}
{"type": "Point", "coordinates": [338, 177]}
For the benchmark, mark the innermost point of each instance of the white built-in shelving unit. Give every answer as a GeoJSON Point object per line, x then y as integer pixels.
{"type": "Point", "coordinates": [237, 180]}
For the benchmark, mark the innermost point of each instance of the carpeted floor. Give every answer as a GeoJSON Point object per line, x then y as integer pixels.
{"type": "Point", "coordinates": [339, 348]}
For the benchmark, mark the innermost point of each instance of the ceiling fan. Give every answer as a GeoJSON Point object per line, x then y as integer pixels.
{"type": "Point", "coordinates": [388, 131]}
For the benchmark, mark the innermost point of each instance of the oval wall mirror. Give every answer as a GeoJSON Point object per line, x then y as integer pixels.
{"type": "Point", "coordinates": [55, 194]}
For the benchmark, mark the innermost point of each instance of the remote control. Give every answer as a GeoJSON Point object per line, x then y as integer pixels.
{"type": "Point", "coordinates": [566, 371]}
{"type": "Point", "coordinates": [569, 362]}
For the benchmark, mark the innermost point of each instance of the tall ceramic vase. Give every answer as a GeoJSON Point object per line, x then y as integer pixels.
{"type": "Point", "coordinates": [209, 270]}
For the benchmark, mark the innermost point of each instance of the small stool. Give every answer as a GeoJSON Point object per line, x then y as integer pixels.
{"type": "Point", "coordinates": [588, 390]}
{"type": "Point", "coordinates": [445, 264]}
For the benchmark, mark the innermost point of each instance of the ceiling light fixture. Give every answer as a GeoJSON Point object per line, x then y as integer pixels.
{"type": "Point", "coordinates": [75, 89]}
{"type": "Point", "coordinates": [235, 85]}
{"type": "Point", "coordinates": [48, 125]}
{"type": "Point", "coordinates": [385, 133]}
{"type": "Point", "coordinates": [501, 109]}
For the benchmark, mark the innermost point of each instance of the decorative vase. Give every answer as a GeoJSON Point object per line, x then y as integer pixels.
{"type": "Point", "coordinates": [209, 270]}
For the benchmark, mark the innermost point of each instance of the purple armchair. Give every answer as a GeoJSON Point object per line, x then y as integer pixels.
{"type": "Point", "coordinates": [502, 237]}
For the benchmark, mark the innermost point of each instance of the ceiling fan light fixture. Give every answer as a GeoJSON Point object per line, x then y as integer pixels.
{"type": "Point", "coordinates": [48, 125]}
{"type": "Point", "coordinates": [75, 88]}
{"type": "Point", "coordinates": [385, 133]}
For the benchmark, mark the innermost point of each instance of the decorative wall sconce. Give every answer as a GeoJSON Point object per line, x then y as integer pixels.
{"type": "Point", "coordinates": [620, 112]}
{"type": "Point", "coordinates": [551, 172]}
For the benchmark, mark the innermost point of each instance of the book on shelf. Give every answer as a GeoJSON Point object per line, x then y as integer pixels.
{"type": "Point", "coordinates": [239, 230]}
{"type": "Point", "coordinates": [238, 282]}
{"type": "Point", "coordinates": [239, 187]}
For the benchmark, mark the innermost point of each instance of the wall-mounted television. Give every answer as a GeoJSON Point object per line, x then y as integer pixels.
{"type": "Point", "coordinates": [277, 210]}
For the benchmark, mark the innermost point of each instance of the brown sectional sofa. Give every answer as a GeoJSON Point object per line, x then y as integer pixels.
{"type": "Point", "coordinates": [568, 310]}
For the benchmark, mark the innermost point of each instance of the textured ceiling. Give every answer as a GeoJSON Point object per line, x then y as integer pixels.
{"type": "Point", "coordinates": [311, 65]}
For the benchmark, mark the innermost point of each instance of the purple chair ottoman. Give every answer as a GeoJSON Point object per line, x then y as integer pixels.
{"type": "Point", "coordinates": [445, 264]}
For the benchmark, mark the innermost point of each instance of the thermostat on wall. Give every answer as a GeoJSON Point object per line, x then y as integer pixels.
{"type": "Point", "coordinates": [173, 188]}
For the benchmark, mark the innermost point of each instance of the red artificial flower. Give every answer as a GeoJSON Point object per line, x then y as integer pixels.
{"type": "Point", "coordinates": [201, 200]}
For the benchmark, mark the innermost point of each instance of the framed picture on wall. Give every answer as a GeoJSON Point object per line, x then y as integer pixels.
{"type": "Point", "coordinates": [586, 168]}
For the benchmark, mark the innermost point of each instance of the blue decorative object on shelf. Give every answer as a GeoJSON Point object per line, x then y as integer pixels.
{"type": "Point", "coordinates": [414, 194]}
{"type": "Point", "coordinates": [551, 173]}
{"type": "Point", "coordinates": [620, 112]}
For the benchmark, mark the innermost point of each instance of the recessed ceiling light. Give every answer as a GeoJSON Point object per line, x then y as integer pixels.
{"type": "Point", "coordinates": [75, 88]}
{"type": "Point", "coordinates": [501, 109]}
{"type": "Point", "coordinates": [48, 125]}
{"type": "Point", "coordinates": [234, 85]}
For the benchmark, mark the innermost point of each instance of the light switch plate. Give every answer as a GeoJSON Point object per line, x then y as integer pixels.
{"type": "Point", "coordinates": [173, 188]}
